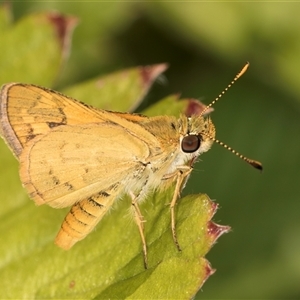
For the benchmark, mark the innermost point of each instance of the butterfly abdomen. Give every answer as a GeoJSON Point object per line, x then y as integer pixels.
{"type": "Point", "coordinates": [82, 218]}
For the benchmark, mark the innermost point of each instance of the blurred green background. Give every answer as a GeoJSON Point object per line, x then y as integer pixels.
{"type": "Point", "coordinates": [205, 45]}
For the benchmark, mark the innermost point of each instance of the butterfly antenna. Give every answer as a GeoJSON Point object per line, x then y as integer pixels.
{"type": "Point", "coordinates": [227, 88]}
{"type": "Point", "coordinates": [253, 163]}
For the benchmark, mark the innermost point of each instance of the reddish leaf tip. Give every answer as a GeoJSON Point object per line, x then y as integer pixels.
{"type": "Point", "coordinates": [149, 73]}
{"type": "Point", "coordinates": [64, 27]}
{"type": "Point", "coordinates": [195, 107]}
{"type": "Point", "coordinates": [216, 230]}
{"type": "Point", "coordinates": [209, 270]}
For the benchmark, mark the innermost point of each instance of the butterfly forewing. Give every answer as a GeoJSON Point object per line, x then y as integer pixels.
{"type": "Point", "coordinates": [27, 111]}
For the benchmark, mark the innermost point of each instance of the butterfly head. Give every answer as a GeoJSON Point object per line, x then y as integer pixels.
{"type": "Point", "coordinates": [197, 135]}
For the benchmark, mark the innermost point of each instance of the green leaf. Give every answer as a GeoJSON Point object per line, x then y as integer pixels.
{"type": "Point", "coordinates": [34, 48]}
{"type": "Point", "coordinates": [173, 106]}
{"type": "Point", "coordinates": [109, 262]}
{"type": "Point", "coordinates": [121, 91]}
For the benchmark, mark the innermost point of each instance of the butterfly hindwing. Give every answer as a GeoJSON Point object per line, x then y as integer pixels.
{"type": "Point", "coordinates": [73, 162]}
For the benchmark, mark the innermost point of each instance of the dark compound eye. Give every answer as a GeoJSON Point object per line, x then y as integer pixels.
{"type": "Point", "coordinates": [190, 143]}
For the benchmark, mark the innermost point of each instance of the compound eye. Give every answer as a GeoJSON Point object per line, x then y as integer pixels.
{"type": "Point", "coordinates": [190, 143]}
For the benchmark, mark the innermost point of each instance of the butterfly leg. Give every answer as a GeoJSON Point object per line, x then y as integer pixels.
{"type": "Point", "coordinates": [139, 219]}
{"type": "Point", "coordinates": [182, 176]}
{"type": "Point", "coordinates": [82, 218]}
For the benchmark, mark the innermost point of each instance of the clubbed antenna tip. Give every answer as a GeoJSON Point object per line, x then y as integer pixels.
{"type": "Point", "coordinates": [256, 164]}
